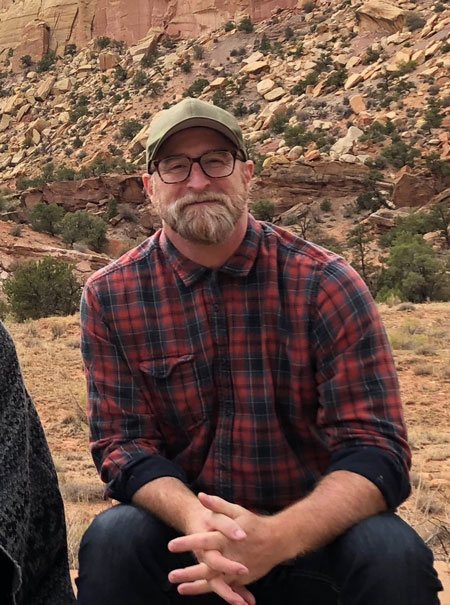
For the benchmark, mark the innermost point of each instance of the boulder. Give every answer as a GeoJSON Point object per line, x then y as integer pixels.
{"type": "Point", "coordinates": [45, 88]}
{"type": "Point", "coordinates": [410, 189]}
{"type": "Point", "coordinates": [380, 16]}
{"type": "Point", "coordinates": [275, 94]}
{"type": "Point", "coordinates": [108, 60]}
{"type": "Point", "coordinates": [357, 104]}
{"type": "Point", "coordinates": [265, 86]}
{"type": "Point", "coordinates": [345, 145]}
{"type": "Point", "coordinates": [255, 67]}
{"type": "Point", "coordinates": [147, 45]}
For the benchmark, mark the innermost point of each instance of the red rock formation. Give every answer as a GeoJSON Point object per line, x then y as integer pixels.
{"type": "Point", "coordinates": [78, 21]}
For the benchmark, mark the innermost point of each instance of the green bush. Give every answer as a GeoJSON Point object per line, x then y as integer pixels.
{"type": "Point", "coordinates": [436, 166]}
{"type": "Point", "coordinates": [308, 7]}
{"type": "Point", "coordinates": [246, 25]}
{"type": "Point", "coordinates": [288, 33]}
{"type": "Point", "coordinates": [103, 42]}
{"type": "Point", "coordinates": [415, 271]}
{"type": "Point", "coordinates": [414, 21]}
{"type": "Point", "coordinates": [264, 45]}
{"type": "Point", "coordinates": [140, 79]}
{"type": "Point", "coordinates": [130, 128]}
{"type": "Point", "coordinates": [264, 210]}
{"type": "Point", "coordinates": [199, 52]}
{"type": "Point", "coordinates": [46, 218]}
{"type": "Point", "coordinates": [4, 309]}
{"type": "Point", "coordinates": [371, 56]}
{"type": "Point", "coordinates": [196, 88]}
{"type": "Point", "coordinates": [399, 154]}
{"type": "Point", "coordinates": [433, 116]}
{"type": "Point", "coordinates": [46, 62]}
{"type": "Point", "coordinates": [229, 25]}
{"type": "Point", "coordinates": [325, 205]}
{"type": "Point", "coordinates": [65, 173]}
{"type": "Point", "coordinates": [186, 66]}
{"type": "Point", "coordinates": [70, 50]}
{"type": "Point", "coordinates": [82, 226]}
{"type": "Point", "coordinates": [279, 122]}
{"type": "Point", "coordinates": [42, 289]}
{"type": "Point", "coordinates": [77, 112]}
{"type": "Point", "coordinates": [26, 61]}
{"type": "Point", "coordinates": [220, 99]}
{"type": "Point", "coordinates": [310, 80]}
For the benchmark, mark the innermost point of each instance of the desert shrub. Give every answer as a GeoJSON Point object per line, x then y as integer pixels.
{"type": "Point", "coordinates": [288, 33]}
{"type": "Point", "coordinates": [129, 129]}
{"type": "Point", "coordinates": [26, 61]}
{"type": "Point", "coordinates": [436, 166]}
{"type": "Point", "coordinates": [263, 210]}
{"type": "Point", "coordinates": [16, 230]}
{"type": "Point", "coordinates": [46, 218]}
{"type": "Point", "coordinates": [199, 52]}
{"type": "Point", "coordinates": [42, 289]}
{"type": "Point", "coordinates": [246, 25]}
{"type": "Point", "coordinates": [140, 79]}
{"type": "Point", "coordinates": [264, 44]}
{"type": "Point", "coordinates": [371, 56]}
{"type": "Point", "coordinates": [439, 8]}
{"type": "Point", "coordinates": [220, 99]}
{"type": "Point", "coordinates": [82, 226]}
{"type": "Point", "coordinates": [308, 7]}
{"type": "Point", "coordinates": [4, 309]}
{"type": "Point", "coordinates": [120, 74]}
{"type": "Point", "coordinates": [112, 209]}
{"type": "Point", "coordinates": [414, 270]}
{"type": "Point", "coordinates": [240, 109]}
{"type": "Point", "coordinates": [325, 205]}
{"type": "Point", "coordinates": [65, 173]}
{"type": "Point", "coordinates": [400, 154]}
{"type": "Point", "coordinates": [46, 62]}
{"type": "Point", "coordinates": [432, 115]}
{"type": "Point", "coordinates": [186, 66]}
{"type": "Point", "coordinates": [310, 80]}
{"type": "Point", "coordinates": [229, 25]}
{"type": "Point", "coordinates": [414, 21]}
{"type": "Point", "coordinates": [78, 112]}
{"type": "Point", "coordinates": [70, 50]}
{"type": "Point", "coordinates": [149, 59]}
{"type": "Point", "coordinates": [196, 88]}
{"type": "Point", "coordinates": [338, 77]}
{"type": "Point", "coordinates": [103, 42]}
{"type": "Point", "coordinates": [279, 122]}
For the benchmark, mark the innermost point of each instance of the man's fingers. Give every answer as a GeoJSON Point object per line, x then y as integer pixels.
{"type": "Point", "coordinates": [228, 527]}
{"type": "Point", "coordinates": [215, 560]}
{"type": "Point", "coordinates": [217, 585]}
{"type": "Point", "coordinates": [201, 541]}
{"type": "Point", "coordinates": [219, 505]}
{"type": "Point", "coordinates": [191, 574]}
{"type": "Point", "coordinates": [245, 594]}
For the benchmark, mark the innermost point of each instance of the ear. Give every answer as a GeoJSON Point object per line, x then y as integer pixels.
{"type": "Point", "coordinates": [148, 183]}
{"type": "Point", "coordinates": [248, 171]}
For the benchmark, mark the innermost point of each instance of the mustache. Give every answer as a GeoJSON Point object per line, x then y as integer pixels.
{"type": "Point", "coordinates": [193, 198]}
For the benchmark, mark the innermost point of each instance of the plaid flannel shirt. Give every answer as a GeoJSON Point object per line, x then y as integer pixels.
{"type": "Point", "coordinates": [250, 381]}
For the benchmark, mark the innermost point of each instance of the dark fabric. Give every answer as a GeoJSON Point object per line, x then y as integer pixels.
{"type": "Point", "coordinates": [33, 550]}
{"type": "Point", "coordinates": [380, 561]}
{"type": "Point", "coordinates": [249, 378]}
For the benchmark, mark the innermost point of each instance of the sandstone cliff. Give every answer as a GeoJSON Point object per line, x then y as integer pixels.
{"type": "Point", "coordinates": [78, 21]}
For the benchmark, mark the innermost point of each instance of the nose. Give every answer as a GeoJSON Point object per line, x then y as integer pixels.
{"type": "Point", "coordinates": [197, 180]}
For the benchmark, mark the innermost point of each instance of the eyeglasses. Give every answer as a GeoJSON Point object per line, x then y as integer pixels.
{"type": "Point", "coordinates": [177, 168]}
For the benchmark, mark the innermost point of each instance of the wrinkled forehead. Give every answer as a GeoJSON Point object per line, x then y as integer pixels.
{"type": "Point", "coordinates": [194, 142]}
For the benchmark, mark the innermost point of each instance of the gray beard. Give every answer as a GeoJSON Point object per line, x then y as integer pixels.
{"type": "Point", "coordinates": [205, 224]}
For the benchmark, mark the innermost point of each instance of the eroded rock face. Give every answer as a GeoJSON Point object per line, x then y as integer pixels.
{"type": "Point", "coordinates": [78, 21]}
{"type": "Point", "coordinates": [380, 16]}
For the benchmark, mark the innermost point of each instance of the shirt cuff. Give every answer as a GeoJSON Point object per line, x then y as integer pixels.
{"type": "Point", "coordinates": [138, 472]}
{"type": "Point", "coordinates": [377, 466]}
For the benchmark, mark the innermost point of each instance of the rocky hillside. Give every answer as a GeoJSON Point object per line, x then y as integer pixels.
{"type": "Point", "coordinates": [338, 100]}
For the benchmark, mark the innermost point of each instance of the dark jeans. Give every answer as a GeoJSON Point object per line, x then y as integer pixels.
{"type": "Point", "coordinates": [124, 560]}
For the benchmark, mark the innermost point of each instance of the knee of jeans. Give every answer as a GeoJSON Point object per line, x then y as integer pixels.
{"type": "Point", "coordinates": [387, 542]}
{"type": "Point", "coordinates": [120, 527]}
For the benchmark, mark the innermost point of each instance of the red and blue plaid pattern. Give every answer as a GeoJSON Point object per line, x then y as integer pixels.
{"type": "Point", "coordinates": [253, 380]}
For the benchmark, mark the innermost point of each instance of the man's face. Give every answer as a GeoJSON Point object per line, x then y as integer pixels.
{"type": "Point", "coordinates": [201, 209]}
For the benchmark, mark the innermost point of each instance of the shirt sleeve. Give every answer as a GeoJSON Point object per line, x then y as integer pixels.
{"type": "Point", "coordinates": [125, 441]}
{"type": "Point", "coordinates": [360, 407]}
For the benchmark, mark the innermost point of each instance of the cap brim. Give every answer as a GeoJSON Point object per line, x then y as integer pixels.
{"type": "Point", "coordinates": [195, 123]}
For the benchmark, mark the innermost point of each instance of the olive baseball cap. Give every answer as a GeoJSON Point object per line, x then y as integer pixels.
{"type": "Point", "coordinates": [191, 113]}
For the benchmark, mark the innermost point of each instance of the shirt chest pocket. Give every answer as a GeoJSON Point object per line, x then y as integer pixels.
{"type": "Point", "coordinates": [172, 387]}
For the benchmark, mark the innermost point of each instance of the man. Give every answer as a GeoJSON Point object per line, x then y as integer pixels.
{"type": "Point", "coordinates": [243, 404]}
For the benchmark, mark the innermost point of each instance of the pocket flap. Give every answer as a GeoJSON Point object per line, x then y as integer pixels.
{"type": "Point", "coordinates": [162, 367]}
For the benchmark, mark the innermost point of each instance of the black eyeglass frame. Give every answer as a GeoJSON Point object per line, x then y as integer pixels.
{"type": "Point", "coordinates": [153, 165]}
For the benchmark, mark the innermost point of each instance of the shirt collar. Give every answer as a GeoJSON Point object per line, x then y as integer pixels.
{"type": "Point", "coordinates": [238, 265]}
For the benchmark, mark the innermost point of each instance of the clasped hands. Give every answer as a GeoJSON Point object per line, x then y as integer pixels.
{"type": "Point", "coordinates": [233, 547]}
